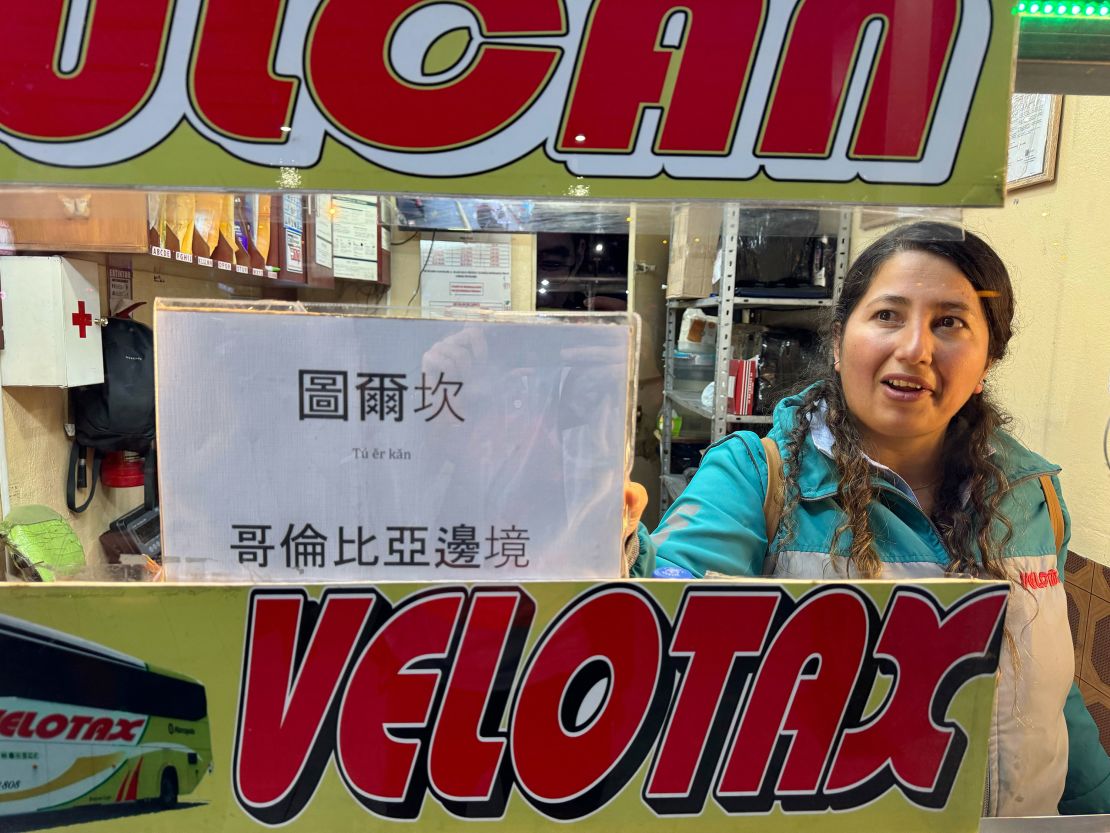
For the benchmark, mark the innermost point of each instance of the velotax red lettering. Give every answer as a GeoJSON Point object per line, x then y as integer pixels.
{"type": "Point", "coordinates": [30, 724]}
{"type": "Point", "coordinates": [388, 704]}
{"type": "Point", "coordinates": [1033, 580]}
{"type": "Point", "coordinates": [234, 86]}
{"type": "Point", "coordinates": [98, 729]}
{"type": "Point", "coordinates": [348, 54]}
{"type": "Point", "coordinates": [623, 68]}
{"type": "Point", "coordinates": [117, 66]}
{"type": "Point", "coordinates": [413, 698]}
{"type": "Point", "coordinates": [76, 725]}
{"type": "Point", "coordinates": [593, 695]}
{"type": "Point", "coordinates": [714, 629]}
{"type": "Point", "coordinates": [125, 729]}
{"type": "Point", "coordinates": [10, 722]}
{"type": "Point", "coordinates": [802, 691]}
{"type": "Point", "coordinates": [284, 704]}
{"type": "Point", "coordinates": [909, 741]}
{"type": "Point", "coordinates": [467, 761]}
{"type": "Point", "coordinates": [914, 50]}
{"type": "Point", "coordinates": [51, 726]}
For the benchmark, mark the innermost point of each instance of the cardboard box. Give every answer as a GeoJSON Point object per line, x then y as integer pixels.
{"type": "Point", "coordinates": [695, 233]}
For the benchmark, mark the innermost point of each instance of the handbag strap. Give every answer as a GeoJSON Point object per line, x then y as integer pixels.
{"type": "Point", "coordinates": [1055, 511]}
{"type": "Point", "coordinates": [76, 460]}
{"type": "Point", "coordinates": [775, 497]}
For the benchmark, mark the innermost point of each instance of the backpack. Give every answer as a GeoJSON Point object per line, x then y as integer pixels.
{"type": "Point", "coordinates": [117, 415]}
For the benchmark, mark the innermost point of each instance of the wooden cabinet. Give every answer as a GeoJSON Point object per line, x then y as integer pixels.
{"type": "Point", "coordinates": [74, 220]}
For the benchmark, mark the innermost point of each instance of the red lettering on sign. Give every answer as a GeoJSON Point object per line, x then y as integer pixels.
{"type": "Point", "coordinates": [24, 730]}
{"type": "Point", "coordinates": [388, 698]}
{"type": "Point", "coordinates": [467, 761]}
{"type": "Point", "coordinates": [285, 700]}
{"type": "Point", "coordinates": [801, 692]}
{"type": "Point", "coordinates": [9, 723]}
{"type": "Point", "coordinates": [116, 69]}
{"type": "Point", "coordinates": [238, 41]}
{"type": "Point", "coordinates": [424, 703]}
{"type": "Point", "coordinates": [354, 84]}
{"type": "Point", "coordinates": [623, 68]}
{"type": "Point", "coordinates": [29, 724]}
{"type": "Point", "coordinates": [910, 741]}
{"type": "Point", "coordinates": [51, 726]}
{"type": "Point", "coordinates": [591, 701]}
{"type": "Point", "coordinates": [713, 629]}
{"type": "Point", "coordinates": [125, 729]}
{"type": "Point", "coordinates": [76, 725]}
{"type": "Point", "coordinates": [98, 729]}
{"type": "Point", "coordinates": [803, 116]}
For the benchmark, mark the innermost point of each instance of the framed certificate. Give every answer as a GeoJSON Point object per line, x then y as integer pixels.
{"type": "Point", "coordinates": [1034, 139]}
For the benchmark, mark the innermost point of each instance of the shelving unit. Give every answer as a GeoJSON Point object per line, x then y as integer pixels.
{"type": "Point", "coordinates": [727, 304]}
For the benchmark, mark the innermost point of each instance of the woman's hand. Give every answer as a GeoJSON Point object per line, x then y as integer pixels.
{"type": "Point", "coordinates": [635, 500]}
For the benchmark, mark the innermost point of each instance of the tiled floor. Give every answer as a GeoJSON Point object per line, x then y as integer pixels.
{"type": "Point", "coordinates": [1088, 587]}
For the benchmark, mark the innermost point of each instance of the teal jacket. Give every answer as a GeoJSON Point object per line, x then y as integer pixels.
{"type": "Point", "coordinates": [1051, 759]}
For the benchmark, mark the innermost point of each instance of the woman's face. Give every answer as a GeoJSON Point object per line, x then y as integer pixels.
{"type": "Point", "coordinates": [913, 351]}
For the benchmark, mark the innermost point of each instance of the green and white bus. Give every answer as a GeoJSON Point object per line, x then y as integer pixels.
{"type": "Point", "coordinates": [81, 724]}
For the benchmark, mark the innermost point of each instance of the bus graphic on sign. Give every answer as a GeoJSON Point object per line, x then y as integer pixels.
{"type": "Point", "coordinates": [81, 724]}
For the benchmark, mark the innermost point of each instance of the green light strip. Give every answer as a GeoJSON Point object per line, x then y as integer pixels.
{"type": "Point", "coordinates": [1084, 11]}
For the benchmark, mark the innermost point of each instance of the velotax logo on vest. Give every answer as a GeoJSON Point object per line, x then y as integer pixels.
{"type": "Point", "coordinates": [746, 698]}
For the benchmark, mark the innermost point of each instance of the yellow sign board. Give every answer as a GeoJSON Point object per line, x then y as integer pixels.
{"type": "Point", "coordinates": [878, 101]}
{"type": "Point", "coordinates": [741, 706]}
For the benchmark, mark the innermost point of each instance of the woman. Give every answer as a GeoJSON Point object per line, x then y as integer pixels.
{"type": "Point", "coordinates": [895, 466]}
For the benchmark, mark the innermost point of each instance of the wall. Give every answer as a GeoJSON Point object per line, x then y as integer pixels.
{"type": "Point", "coordinates": [1055, 380]}
{"type": "Point", "coordinates": [1055, 383]}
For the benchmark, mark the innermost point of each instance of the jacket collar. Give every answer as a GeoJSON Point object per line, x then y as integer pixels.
{"type": "Point", "coordinates": [819, 477]}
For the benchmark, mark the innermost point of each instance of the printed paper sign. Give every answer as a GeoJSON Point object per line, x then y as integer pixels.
{"type": "Point", "coordinates": [603, 99]}
{"type": "Point", "coordinates": [749, 707]}
{"type": "Point", "coordinates": [293, 219]}
{"type": "Point", "coordinates": [120, 280]}
{"type": "Point", "coordinates": [355, 236]}
{"type": "Point", "coordinates": [323, 230]}
{"type": "Point", "coordinates": [346, 448]}
{"type": "Point", "coordinates": [474, 272]}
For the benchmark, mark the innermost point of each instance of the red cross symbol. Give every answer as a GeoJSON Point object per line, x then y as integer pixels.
{"type": "Point", "coordinates": [81, 319]}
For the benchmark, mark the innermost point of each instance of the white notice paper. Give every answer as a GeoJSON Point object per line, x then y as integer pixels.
{"type": "Point", "coordinates": [293, 220]}
{"type": "Point", "coordinates": [311, 447]}
{"type": "Point", "coordinates": [323, 230]}
{"type": "Point", "coordinates": [355, 237]}
{"type": "Point", "coordinates": [1030, 118]}
{"type": "Point", "coordinates": [460, 271]}
{"type": "Point", "coordinates": [119, 288]}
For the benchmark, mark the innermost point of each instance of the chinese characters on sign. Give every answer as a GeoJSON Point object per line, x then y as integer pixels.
{"type": "Point", "coordinates": [352, 448]}
{"type": "Point", "coordinates": [304, 547]}
{"type": "Point", "coordinates": [381, 395]}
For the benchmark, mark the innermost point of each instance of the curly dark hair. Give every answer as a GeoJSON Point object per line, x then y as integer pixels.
{"type": "Point", "coordinates": [966, 453]}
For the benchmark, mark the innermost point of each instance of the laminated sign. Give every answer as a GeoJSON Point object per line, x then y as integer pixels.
{"type": "Point", "coordinates": [870, 101]}
{"type": "Point", "coordinates": [297, 445]}
{"type": "Point", "coordinates": [749, 706]}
